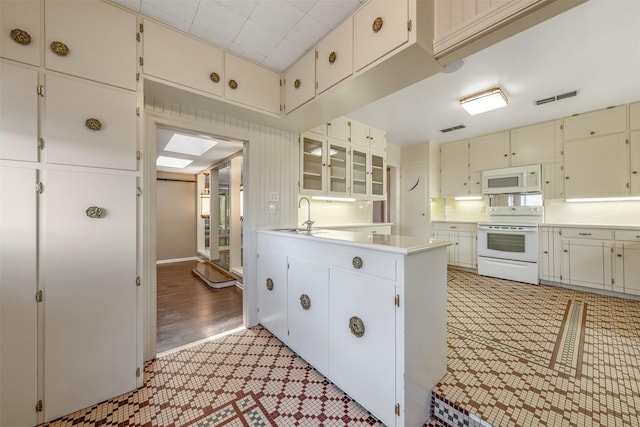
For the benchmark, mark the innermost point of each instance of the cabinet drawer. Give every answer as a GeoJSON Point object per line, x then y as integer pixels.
{"type": "Point", "coordinates": [371, 263]}
{"type": "Point", "coordinates": [22, 15]}
{"type": "Point", "coordinates": [335, 56]}
{"type": "Point", "coordinates": [596, 123]}
{"type": "Point", "coordinates": [455, 226]}
{"type": "Point", "coordinates": [250, 84]}
{"type": "Point", "coordinates": [70, 103]}
{"type": "Point", "coordinates": [300, 82]}
{"type": "Point", "coordinates": [181, 59]}
{"type": "Point", "coordinates": [101, 41]}
{"type": "Point", "coordinates": [633, 235]}
{"type": "Point", "coordinates": [587, 233]}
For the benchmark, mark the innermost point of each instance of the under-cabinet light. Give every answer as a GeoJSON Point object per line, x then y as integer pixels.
{"type": "Point", "coordinates": [603, 199]}
{"type": "Point", "coordinates": [488, 100]}
{"type": "Point", "coordinates": [334, 199]}
{"type": "Point", "coordinates": [318, 152]}
{"type": "Point", "coordinates": [459, 198]}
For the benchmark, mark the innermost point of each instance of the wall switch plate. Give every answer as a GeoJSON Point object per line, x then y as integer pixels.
{"type": "Point", "coordinates": [273, 196]}
{"type": "Point", "coordinates": [273, 208]}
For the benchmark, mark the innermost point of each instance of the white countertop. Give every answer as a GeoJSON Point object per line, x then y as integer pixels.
{"type": "Point", "coordinates": [605, 226]}
{"type": "Point", "coordinates": [387, 243]}
{"type": "Point", "coordinates": [361, 224]}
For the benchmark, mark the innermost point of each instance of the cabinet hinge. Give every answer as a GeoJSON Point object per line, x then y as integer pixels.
{"type": "Point", "coordinates": [138, 111]}
{"type": "Point", "coordinates": [137, 77]}
{"type": "Point", "coordinates": [627, 185]}
{"type": "Point", "coordinates": [137, 372]}
{"type": "Point", "coordinates": [288, 267]}
{"type": "Point", "coordinates": [280, 82]}
{"type": "Point", "coordinates": [316, 85]}
{"type": "Point", "coordinates": [627, 142]}
{"type": "Point", "coordinates": [39, 188]}
{"type": "Point", "coordinates": [39, 406]}
{"type": "Point", "coordinates": [611, 250]}
{"type": "Point", "coordinates": [40, 90]}
{"type": "Point", "coordinates": [612, 281]}
{"type": "Point", "coordinates": [142, 28]}
{"type": "Point", "coordinates": [41, 143]}
{"type": "Point", "coordinates": [398, 409]}
{"type": "Point", "coordinates": [39, 296]}
{"type": "Point", "coordinates": [561, 277]}
{"type": "Point", "coordinates": [561, 127]}
{"type": "Point", "coordinates": [397, 300]}
{"type": "Point", "coordinates": [138, 281]}
{"type": "Point", "coordinates": [138, 37]}
{"type": "Point", "coordinates": [138, 155]}
{"type": "Point", "coordinates": [409, 25]}
{"type": "Point", "coordinates": [316, 54]}
{"type": "Point", "coordinates": [138, 191]}
{"type": "Point", "coordinates": [141, 60]}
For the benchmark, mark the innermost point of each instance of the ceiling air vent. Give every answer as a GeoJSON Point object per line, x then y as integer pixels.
{"type": "Point", "coordinates": [556, 98]}
{"type": "Point", "coordinates": [452, 128]}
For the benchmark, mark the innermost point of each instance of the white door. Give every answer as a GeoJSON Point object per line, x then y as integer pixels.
{"type": "Point", "coordinates": [414, 219]}
{"type": "Point", "coordinates": [272, 292]}
{"type": "Point", "coordinates": [18, 285]}
{"type": "Point", "coordinates": [89, 281]}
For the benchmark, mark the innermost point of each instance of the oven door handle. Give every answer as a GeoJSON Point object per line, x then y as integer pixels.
{"type": "Point", "coordinates": [497, 230]}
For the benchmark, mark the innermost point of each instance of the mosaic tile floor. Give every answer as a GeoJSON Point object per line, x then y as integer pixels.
{"type": "Point", "coordinates": [523, 355]}
{"type": "Point", "coordinates": [248, 379]}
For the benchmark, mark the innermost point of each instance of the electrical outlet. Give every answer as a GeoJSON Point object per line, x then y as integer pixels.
{"type": "Point", "coordinates": [273, 196]}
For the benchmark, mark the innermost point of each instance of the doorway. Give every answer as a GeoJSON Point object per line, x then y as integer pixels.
{"type": "Point", "coordinates": [187, 228]}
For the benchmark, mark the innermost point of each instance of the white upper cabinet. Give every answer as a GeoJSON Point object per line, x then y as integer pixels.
{"type": "Point", "coordinates": [362, 134]}
{"type": "Point", "coordinates": [182, 59]}
{"type": "Point", "coordinates": [539, 143]}
{"type": "Point", "coordinates": [454, 169]}
{"type": "Point", "coordinates": [299, 82]}
{"type": "Point", "coordinates": [378, 28]}
{"type": "Point", "coordinates": [339, 128]}
{"type": "Point", "coordinates": [18, 112]}
{"type": "Point", "coordinates": [634, 115]}
{"type": "Point", "coordinates": [596, 167]}
{"type": "Point", "coordinates": [250, 84]}
{"type": "Point", "coordinates": [596, 123]}
{"type": "Point", "coordinates": [335, 56]}
{"type": "Point", "coordinates": [489, 151]}
{"type": "Point", "coordinates": [88, 124]}
{"type": "Point", "coordinates": [91, 39]}
{"type": "Point", "coordinates": [634, 142]}
{"type": "Point", "coordinates": [20, 30]}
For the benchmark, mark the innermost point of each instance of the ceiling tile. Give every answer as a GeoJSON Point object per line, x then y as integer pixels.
{"type": "Point", "coordinates": [241, 7]}
{"type": "Point", "coordinates": [248, 53]}
{"type": "Point", "coordinates": [307, 33]}
{"type": "Point", "coordinates": [254, 37]}
{"type": "Point", "coordinates": [332, 12]}
{"type": "Point", "coordinates": [285, 54]}
{"type": "Point", "coordinates": [177, 13]}
{"type": "Point", "coordinates": [304, 5]}
{"type": "Point", "coordinates": [217, 22]}
{"type": "Point", "coordinates": [279, 16]}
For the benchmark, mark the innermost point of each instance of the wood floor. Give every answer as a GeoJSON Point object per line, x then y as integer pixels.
{"type": "Point", "coordinates": [189, 310]}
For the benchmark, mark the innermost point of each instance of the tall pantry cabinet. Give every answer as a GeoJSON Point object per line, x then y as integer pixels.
{"type": "Point", "coordinates": [68, 208]}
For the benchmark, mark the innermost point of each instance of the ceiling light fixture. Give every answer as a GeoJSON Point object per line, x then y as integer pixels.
{"type": "Point", "coordinates": [172, 162]}
{"type": "Point", "coordinates": [488, 100]}
{"type": "Point", "coordinates": [191, 145]}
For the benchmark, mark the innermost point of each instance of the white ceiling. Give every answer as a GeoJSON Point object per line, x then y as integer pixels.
{"type": "Point", "coordinates": [594, 48]}
{"type": "Point", "coordinates": [274, 33]}
{"type": "Point", "coordinates": [221, 151]}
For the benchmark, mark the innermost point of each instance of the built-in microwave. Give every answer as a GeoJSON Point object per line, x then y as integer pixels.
{"type": "Point", "coordinates": [518, 179]}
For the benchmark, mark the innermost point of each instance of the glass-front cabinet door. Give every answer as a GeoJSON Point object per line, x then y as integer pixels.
{"type": "Point", "coordinates": [313, 164]}
{"type": "Point", "coordinates": [359, 172]}
{"type": "Point", "coordinates": [378, 176]}
{"type": "Point", "coordinates": [338, 168]}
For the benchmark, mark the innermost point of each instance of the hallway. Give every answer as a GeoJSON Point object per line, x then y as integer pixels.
{"type": "Point", "coordinates": [189, 310]}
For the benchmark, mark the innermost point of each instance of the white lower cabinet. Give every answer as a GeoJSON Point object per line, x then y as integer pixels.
{"type": "Point", "coordinates": [549, 265]}
{"type": "Point", "coordinates": [363, 317]}
{"type": "Point", "coordinates": [363, 325]}
{"type": "Point", "coordinates": [308, 311]}
{"type": "Point", "coordinates": [89, 283]}
{"type": "Point", "coordinates": [18, 287]}
{"type": "Point", "coordinates": [464, 250]}
{"type": "Point", "coordinates": [583, 262]}
{"type": "Point", "coordinates": [626, 261]}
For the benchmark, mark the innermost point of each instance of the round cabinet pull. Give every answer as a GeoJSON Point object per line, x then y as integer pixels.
{"type": "Point", "coordinates": [377, 24]}
{"type": "Point", "coordinates": [592, 133]}
{"type": "Point", "coordinates": [59, 48]}
{"type": "Point", "coordinates": [305, 301]}
{"type": "Point", "coordinates": [20, 36]}
{"type": "Point", "coordinates": [357, 262]}
{"type": "Point", "coordinates": [332, 57]}
{"type": "Point", "coordinates": [296, 84]}
{"type": "Point", "coordinates": [356, 325]}
{"type": "Point", "coordinates": [634, 172]}
{"type": "Point", "coordinates": [269, 284]}
{"type": "Point", "coordinates": [546, 182]}
{"type": "Point", "coordinates": [233, 84]}
{"type": "Point", "coordinates": [619, 255]}
{"type": "Point", "coordinates": [95, 212]}
{"type": "Point", "coordinates": [93, 124]}
{"type": "Point", "coordinates": [215, 77]}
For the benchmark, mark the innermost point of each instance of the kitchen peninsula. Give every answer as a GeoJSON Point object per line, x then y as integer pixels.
{"type": "Point", "coordinates": [368, 311]}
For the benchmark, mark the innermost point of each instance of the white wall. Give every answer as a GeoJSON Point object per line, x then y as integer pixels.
{"type": "Point", "coordinates": [607, 213]}
{"type": "Point", "coordinates": [336, 212]}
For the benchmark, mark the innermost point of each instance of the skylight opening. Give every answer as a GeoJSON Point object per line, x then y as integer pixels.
{"type": "Point", "coordinates": [173, 162]}
{"type": "Point", "coordinates": [191, 145]}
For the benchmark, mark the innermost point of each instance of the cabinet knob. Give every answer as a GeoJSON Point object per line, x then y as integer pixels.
{"type": "Point", "coordinates": [566, 177]}
{"type": "Point", "coordinates": [356, 325]}
{"type": "Point", "coordinates": [296, 84]}
{"type": "Point", "coordinates": [634, 172]}
{"type": "Point", "coordinates": [269, 284]}
{"type": "Point", "coordinates": [546, 182]}
{"type": "Point", "coordinates": [465, 183]}
{"type": "Point", "coordinates": [332, 57]}
{"type": "Point", "coordinates": [95, 212]}
{"type": "Point", "coordinates": [233, 84]}
{"type": "Point", "coordinates": [59, 48]}
{"type": "Point", "coordinates": [592, 133]}
{"type": "Point", "coordinates": [356, 262]}
{"type": "Point", "coordinates": [93, 124]}
{"type": "Point", "coordinates": [377, 24]}
{"type": "Point", "coordinates": [565, 250]}
{"type": "Point", "coordinates": [506, 155]}
{"type": "Point", "coordinates": [513, 154]}
{"type": "Point", "coordinates": [215, 77]}
{"type": "Point", "coordinates": [20, 36]}
{"type": "Point", "coordinates": [305, 301]}
{"type": "Point", "coordinates": [619, 255]}
{"type": "Point", "coordinates": [546, 252]}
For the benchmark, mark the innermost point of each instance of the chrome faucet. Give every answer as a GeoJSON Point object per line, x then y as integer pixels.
{"type": "Point", "coordinates": [308, 222]}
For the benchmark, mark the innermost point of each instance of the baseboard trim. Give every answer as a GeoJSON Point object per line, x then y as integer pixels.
{"type": "Point", "coordinates": [169, 261]}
